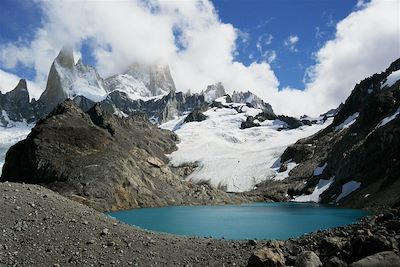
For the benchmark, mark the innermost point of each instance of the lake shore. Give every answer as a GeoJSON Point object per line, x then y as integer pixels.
{"type": "Point", "coordinates": [43, 228]}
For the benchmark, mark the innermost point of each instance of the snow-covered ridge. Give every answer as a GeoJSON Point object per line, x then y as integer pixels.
{"type": "Point", "coordinates": [229, 157]}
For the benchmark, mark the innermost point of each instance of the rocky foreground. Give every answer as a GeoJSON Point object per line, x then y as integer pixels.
{"type": "Point", "coordinates": [42, 228]}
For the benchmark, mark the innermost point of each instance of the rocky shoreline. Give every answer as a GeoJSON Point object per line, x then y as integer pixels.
{"type": "Point", "coordinates": [42, 228]}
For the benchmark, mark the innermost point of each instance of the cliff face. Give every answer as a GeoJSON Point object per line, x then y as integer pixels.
{"type": "Point", "coordinates": [104, 161]}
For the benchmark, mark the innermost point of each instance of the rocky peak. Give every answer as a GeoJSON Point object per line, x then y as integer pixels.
{"type": "Point", "coordinates": [19, 93]}
{"type": "Point", "coordinates": [15, 105]}
{"type": "Point", "coordinates": [66, 57]}
{"type": "Point", "coordinates": [214, 91]}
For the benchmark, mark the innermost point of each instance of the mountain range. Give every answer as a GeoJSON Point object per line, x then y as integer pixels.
{"type": "Point", "coordinates": [141, 88]}
{"type": "Point", "coordinates": [268, 156]}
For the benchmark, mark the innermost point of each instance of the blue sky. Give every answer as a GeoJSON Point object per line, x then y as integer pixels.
{"type": "Point", "coordinates": [299, 55]}
{"type": "Point", "coordinates": [312, 21]}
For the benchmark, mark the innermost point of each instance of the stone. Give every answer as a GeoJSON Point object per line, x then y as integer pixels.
{"type": "Point", "coordinates": [308, 259]}
{"type": "Point", "coordinates": [334, 262]}
{"type": "Point", "coordinates": [105, 231]}
{"type": "Point", "coordinates": [363, 246]}
{"type": "Point", "coordinates": [267, 257]}
{"type": "Point", "coordinates": [386, 258]}
{"type": "Point", "coordinates": [252, 242]}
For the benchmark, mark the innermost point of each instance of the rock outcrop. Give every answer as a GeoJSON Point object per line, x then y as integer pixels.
{"type": "Point", "coordinates": [104, 161]}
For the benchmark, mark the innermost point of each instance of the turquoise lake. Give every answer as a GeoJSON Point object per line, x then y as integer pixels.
{"type": "Point", "coordinates": [247, 221]}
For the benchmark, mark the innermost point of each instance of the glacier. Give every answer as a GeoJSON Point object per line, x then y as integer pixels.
{"type": "Point", "coordinates": [231, 158]}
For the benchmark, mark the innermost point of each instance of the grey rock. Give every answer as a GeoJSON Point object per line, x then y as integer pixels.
{"type": "Point", "coordinates": [267, 257]}
{"type": "Point", "coordinates": [307, 259]}
{"type": "Point", "coordinates": [387, 258]}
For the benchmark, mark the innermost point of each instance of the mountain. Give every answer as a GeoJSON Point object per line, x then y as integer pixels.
{"type": "Point", "coordinates": [213, 92]}
{"type": "Point", "coordinates": [143, 81]}
{"type": "Point", "coordinates": [15, 105]}
{"type": "Point", "coordinates": [68, 80]}
{"type": "Point", "coordinates": [147, 88]}
{"type": "Point", "coordinates": [355, 161]}
{"type": "Point", "coordinates": [104, 161]}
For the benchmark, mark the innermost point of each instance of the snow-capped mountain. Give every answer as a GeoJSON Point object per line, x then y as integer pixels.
{"type": "Point", "coordinates": [68, 80]}
{"type": "Point", "coordinates": [142, 81]}
{"type": "Point", "coordinates": [213, 92]}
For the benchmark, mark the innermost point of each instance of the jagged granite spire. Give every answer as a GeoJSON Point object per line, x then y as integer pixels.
{"type": "Point", "coordinates": [67, 80]}
{"type": "Point", "coordinates": [66, 57]}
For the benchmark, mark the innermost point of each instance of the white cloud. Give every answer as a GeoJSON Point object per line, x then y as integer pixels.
{"type": "Point", "coordinates": [291, 42]}
{"type": "Point", "coordinates": [121, 32]}
{"type": "Point", "coordinates": [356, 52]}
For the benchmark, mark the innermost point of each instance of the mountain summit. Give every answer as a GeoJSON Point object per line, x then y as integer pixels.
{"type": "Point", "coordinates": [67, 80]}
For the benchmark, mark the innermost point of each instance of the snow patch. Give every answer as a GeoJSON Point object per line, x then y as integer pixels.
{"type": "Point", "coordinates": [391, 79]}
{"type": "Point", "coordinates": [319, 170]}
{"type": "Point", "coordinates": [347, 189]}
{"type": "Point", "coordinates": [348, 122]}
{"type": "Point", "coordinates": [322, 186]}
{"type": "Point", "coordinates": [388, 119]}
{"type": "Point", "coordinates": [282, 175]}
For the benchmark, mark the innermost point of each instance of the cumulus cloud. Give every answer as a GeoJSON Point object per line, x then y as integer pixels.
{"type": "Point", "coordinates": [291, 42]}
{"type": "Point", "coordinates": [200, 49]}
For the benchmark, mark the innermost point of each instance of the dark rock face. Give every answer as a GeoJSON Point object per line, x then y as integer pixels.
{"type": "Point", "coordinates": [16, 105]}
{"type": "Point", "coordinates": [159, 110]}
{"type": "Point", "coordinates": [366, 151]}
{"type": "Point", "coordinates": [103, 161]}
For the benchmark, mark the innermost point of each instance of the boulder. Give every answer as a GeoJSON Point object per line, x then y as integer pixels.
{"type": "Point", "coordinates": [334, 262]}
{"type": "Point", "coordinates": [308, 259]}
{"type": "Point", "coordinates": [386, 258]}
{"type": "Point", "coordinates": [267, 257]}
{"type": "Point", "coordinates": [363, 246]}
